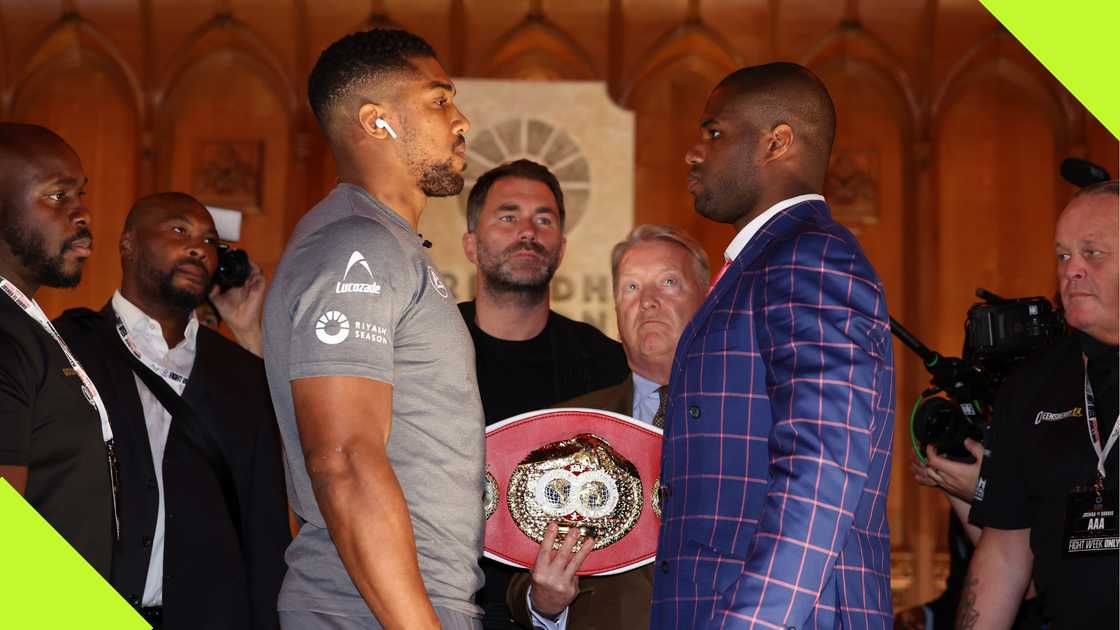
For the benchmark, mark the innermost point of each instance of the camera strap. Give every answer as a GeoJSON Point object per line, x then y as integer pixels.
{"type": "Point", "coordinates": [1094, 429]}
{"type": "Point", "coordinates": [89, 390]}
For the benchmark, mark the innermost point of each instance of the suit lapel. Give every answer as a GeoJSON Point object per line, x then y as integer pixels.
{"type": "Point", "coordinates": [129, 418]}
{"type": "Point", "coordinates": [625, 396]}
{"type": "Point", "coordinates": [782, 224]}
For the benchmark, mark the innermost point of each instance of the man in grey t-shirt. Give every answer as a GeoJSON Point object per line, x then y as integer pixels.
{"type": "Point", "coordinates": [370, 364]}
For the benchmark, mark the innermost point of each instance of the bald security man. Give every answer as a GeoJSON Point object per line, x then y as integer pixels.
{"type": "Point", "coordinates": [778, 433]}
{"type": "Point", "coordinates": [55, 437]}
{"type": "Point", "coordinates": [203, 518]}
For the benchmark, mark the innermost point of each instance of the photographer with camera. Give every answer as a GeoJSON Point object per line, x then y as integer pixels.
{"type": "Point", "coordinates": [203, 520]}
{"type": "Point", "coordinates": [1046, 496]}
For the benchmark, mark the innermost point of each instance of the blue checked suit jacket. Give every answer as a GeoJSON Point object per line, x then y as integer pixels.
{"type": "Point", "coordinates": [777, 446]}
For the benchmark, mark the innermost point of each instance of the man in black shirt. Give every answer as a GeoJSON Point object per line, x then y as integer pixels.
{"type": "Point", "coordinates": [527, 356]}
{"type": "Point", "coordinates": [1047, 495]}
{"type": "Point", "coordinates": [55, 436]}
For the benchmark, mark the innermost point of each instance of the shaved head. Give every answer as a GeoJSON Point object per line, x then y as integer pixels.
{"type": "Point", "coordinates": [22, 148]}
{"type": "Point", "coordinates": [154, 208]}
{"type": "Point", "coordinates": [777, 93]}
{"type": "Point", "coordinates": [766, 135]}
{"type": "Point", "coordinates": [44, 233]}
{"type": "Point", "coordinates": [169, 253]}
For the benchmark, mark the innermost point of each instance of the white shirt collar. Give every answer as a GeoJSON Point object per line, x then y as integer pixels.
{"type": "Point", "coordinates": [140, 324]}
{"type": "Point", "coordinates": [749, 230]}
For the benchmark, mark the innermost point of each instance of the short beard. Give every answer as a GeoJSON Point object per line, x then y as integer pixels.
{"type": "Point", "coordinates": [179, 298]}
{"type": "Point", "coordinates": [436, 179]}
{"type": "Point", "coordinates": [169, 294]}
{"type": "Point", "coordinates": [440, 180]}
{"type": "Point", "coordinates": [500, 282]}
{"type": "Point", "coordinates": [29, 247]}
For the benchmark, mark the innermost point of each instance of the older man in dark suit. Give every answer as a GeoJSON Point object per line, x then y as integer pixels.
{"type": "Point", "coordinates": [660, 276]}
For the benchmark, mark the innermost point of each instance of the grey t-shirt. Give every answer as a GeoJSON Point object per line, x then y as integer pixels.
{"type": "Point", "coordinates": [356, 295]}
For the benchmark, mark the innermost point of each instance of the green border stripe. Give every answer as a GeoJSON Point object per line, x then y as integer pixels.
{"type": "Point", "coordinates": [1079, 43]}
{"type": "Point", "coordinates": [45, 584]}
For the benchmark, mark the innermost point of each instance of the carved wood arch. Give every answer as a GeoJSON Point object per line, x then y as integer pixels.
{"type": "Point", "coordinates": [538, 49]}
{"type": "Point", "coordinates": [850, 43]}
{"type": "Point", "coordinates": [225, 34]}
{"type": "Point", "coordinates": [999, 55]}
{"type": "Point", "coordinates": [73, 41]}
{"type": "Point", "coordinates": [690, 40]}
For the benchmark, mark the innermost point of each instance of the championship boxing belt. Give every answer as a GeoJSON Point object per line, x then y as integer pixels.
{"type": "Point", "coordinates": [584, 468]}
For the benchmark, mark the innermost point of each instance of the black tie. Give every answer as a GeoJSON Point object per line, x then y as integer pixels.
{"type": "Point", "coordinates": [662, 402]}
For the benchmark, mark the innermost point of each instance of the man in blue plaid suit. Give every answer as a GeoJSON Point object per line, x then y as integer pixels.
{"type": "Point", "coordinates": [778, 439]}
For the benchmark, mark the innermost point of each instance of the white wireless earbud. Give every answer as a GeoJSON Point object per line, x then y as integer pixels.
{"type": "Point", "coordinates": [381, 124]}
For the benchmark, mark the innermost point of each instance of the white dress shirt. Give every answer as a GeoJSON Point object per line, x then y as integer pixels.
{"type": "Point", "coordinates": [749, 230]}
{"type": "Point", "coordinates": [646, 402]}
{"type": "Point", "coordinates": [147, 336]}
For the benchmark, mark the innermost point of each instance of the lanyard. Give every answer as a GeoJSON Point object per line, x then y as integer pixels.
{"type": "Point", "coordinates": [165, 373]}
{"type": "Point", "coordinates": [1094, 428]}
{"type": "Point", "coordinates": [33, 310]}
{"type": "Point", "coordinates": [89, 390]}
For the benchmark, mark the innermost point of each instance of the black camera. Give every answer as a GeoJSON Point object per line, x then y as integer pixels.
{"type": "Point", "coordinates": [999, 333]}
{"type": "Point", "coordinates": [233, 268]}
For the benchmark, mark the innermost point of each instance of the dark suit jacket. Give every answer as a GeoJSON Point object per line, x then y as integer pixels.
{"type": "Point", "coordinates": [210, 581]}
{"type": "Point", "coordinates": [613, 602]}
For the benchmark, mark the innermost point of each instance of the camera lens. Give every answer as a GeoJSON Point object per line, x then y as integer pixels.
{"type": "Point", "coordinates": [233, 268]}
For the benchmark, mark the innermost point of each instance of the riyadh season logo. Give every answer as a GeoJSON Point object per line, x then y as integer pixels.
{"type": "Point", "coordinates": [370, 287]}
{"type": "Point", "coordinates": [332, 328]}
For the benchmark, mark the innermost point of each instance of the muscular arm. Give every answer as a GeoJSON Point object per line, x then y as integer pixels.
{"type": "Point", "coordinates": [344, 424]}
{"type": "Point", "coordinates": [16, 476]}
{"type": "Point", "coordinates": [998, 576]}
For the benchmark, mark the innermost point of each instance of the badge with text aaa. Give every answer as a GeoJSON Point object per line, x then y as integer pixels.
{"type": "Point", "coordinates": [1091, 522]}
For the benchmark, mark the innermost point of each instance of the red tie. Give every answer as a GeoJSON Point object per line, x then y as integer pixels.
{"type": "Point", "coordinates": [722, 270]}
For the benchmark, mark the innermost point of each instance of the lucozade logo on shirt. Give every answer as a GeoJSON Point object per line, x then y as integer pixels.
{"type": "Point", "coordinates": [370, 287]}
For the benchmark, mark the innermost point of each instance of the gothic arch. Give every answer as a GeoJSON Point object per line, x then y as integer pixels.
{"type": "Point", "coordinates": [226, 35]}
{"type": "Point", "coordinates": [74, 41]}
{"type": "Point", "coordinates": [692, 43]}
{"type": "Point", "coordinates": [999, 55]}
{"type": "Point", "coordinates": [537, 48]}
{"type": "Point", "coordinates": [849, 43]}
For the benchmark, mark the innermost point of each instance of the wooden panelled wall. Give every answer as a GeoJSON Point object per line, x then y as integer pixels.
{"type": "Point", "coordinates": [950, 132]}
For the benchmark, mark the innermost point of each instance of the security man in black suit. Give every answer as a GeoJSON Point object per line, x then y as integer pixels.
{"type": "Point", "coordinates": [203, 514]}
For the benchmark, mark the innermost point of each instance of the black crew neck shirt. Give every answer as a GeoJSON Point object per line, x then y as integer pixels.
{"type": "Point", "coordinates": [567, 359]}
{"type": "Point", "coordinates": [1039, 452]}
{"type": "Point", "coordinates": [47, 425]}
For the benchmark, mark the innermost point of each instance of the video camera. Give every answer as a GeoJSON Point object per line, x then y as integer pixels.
{"type": "Point", "coordinates": [999, 333]}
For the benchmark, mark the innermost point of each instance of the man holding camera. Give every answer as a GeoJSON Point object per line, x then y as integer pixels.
{"type": "Point", "coordinates": [203, 521]}
{"type": "Point", "coordinates": [1047, 494]}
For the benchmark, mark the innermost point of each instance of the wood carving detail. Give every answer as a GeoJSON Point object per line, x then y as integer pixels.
{"type": "Point", "coordinates": [227, 173]}
{"type": "Point", "coordinates": [852, 187]}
